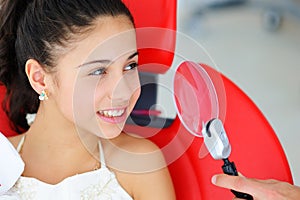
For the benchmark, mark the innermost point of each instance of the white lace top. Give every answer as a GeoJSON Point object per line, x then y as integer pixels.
{"type": "Point", "coordinates": [99, 184]}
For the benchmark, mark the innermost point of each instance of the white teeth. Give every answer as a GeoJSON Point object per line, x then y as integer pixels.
{"type": "Point", "coordinates": [112, 113]}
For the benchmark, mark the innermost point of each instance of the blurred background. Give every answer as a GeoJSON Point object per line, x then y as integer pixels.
{"type": "Point", "coordinates": [256, 43]}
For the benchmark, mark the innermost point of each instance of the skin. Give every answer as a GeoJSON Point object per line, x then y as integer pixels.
{"type": "Point", "coordinates": [60, 142]}
{"type": "Point", "coordinates": [259, 189]}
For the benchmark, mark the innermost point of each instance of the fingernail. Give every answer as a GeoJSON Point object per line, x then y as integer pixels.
{"type": "Point", "coordinates": [213, 179]}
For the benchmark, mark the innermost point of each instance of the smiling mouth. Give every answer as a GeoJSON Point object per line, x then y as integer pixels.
{"type": "Point", "coordinates": [112, 113]}
{"type": "Point", "coordinates": [114, 116]}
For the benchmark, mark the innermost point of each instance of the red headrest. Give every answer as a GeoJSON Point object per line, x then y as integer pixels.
{"type": "Point", "coordinates": [155, 21]}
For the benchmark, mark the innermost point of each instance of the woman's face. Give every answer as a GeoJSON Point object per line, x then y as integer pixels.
{"type": "Point", "coordinates": [96, 83]}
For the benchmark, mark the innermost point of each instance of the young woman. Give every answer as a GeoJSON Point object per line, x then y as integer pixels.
{"type": "Point", "coordinates": [74, 64]}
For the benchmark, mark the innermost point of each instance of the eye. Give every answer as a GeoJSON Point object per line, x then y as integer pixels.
{"type": "Point", "coordinates": [130, 66]}
{"type": "Point", "coordinates": [98, 72]}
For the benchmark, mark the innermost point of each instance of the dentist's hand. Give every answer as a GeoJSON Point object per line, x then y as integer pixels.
{"type": "Point", "coordinates": [259, 189]}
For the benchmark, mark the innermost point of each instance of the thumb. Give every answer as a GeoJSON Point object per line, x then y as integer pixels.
{"type": "Point", "coordinates": [237, 183]}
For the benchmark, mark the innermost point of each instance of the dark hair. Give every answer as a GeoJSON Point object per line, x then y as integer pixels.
{"type": "Point", "coordinates": [32, 29]}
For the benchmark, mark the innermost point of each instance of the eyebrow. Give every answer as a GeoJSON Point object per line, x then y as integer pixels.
{"type": "Point", "coordinates": [105, 61]}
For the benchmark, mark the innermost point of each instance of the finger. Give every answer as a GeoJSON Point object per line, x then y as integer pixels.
{"type": "Point", "coordinates": [241, 184]}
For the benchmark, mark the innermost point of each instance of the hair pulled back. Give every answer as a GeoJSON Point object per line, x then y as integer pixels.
{"type": "Point", "coordinates": [32, 29]}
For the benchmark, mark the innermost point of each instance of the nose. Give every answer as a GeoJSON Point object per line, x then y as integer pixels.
{"type": "Point", "coordinates": [123, 86]}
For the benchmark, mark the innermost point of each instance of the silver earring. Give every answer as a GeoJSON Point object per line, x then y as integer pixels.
{"type": "Point", "coordinates": [43, 96]}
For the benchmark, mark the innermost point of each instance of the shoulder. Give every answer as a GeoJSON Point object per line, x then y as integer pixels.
{"type": "Point", "coordinates": [140, 167]}
{"type": "Point", "coordinates": [130, 153]}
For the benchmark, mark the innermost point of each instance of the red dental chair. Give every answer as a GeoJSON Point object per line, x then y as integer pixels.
{"type": "Point", "coordinates": [255, 148]}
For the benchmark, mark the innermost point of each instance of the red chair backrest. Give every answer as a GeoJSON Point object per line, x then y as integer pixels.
{"type": "Point", "coordinates": [5, 127]}
{"type": "Point", "coordinates": [155, 21]}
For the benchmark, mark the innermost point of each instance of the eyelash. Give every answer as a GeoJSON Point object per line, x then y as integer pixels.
{"type": "Point", "coordinates": [132, 66]}
{"type": "Point", "coordinates": [102, 71]}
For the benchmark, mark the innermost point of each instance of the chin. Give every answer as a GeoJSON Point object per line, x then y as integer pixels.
{"type": "Point", "coordinates": [110, 131]}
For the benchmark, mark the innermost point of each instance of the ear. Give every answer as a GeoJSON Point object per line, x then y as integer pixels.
{"type": "Point", "coordinates": [36, 75]}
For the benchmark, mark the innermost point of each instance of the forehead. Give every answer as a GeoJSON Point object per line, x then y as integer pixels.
{"type": "Point", "coordinates": [114, 47]}
{"type": "Point", "coordinates": [110, 38]}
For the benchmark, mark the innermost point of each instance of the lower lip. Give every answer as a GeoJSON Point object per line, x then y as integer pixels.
{"type": "Point", "coordinates": [114, 120]}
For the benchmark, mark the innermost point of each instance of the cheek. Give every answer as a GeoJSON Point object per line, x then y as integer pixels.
{"type": "Point", "coordinates": [74, 98]}
{"type": "Point", "coordinates": [65, 101]}
{"type": "Point", "coordinates": [83, 99]}
{"type": "Point", "coordinates": [135, 96]}
{"type": "Point", "coordinates": [61, 91]}
{"type": "Point", "coordinates": [135, 87]}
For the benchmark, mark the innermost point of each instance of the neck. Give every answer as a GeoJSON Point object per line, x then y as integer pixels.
{"type": "Point", "coordinates": [52, 128]}
{"type": "Point", "coordinates": [53, 146]}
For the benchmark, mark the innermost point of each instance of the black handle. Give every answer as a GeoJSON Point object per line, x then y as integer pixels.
{"type": "Point", "coordinates": [230, 169]}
